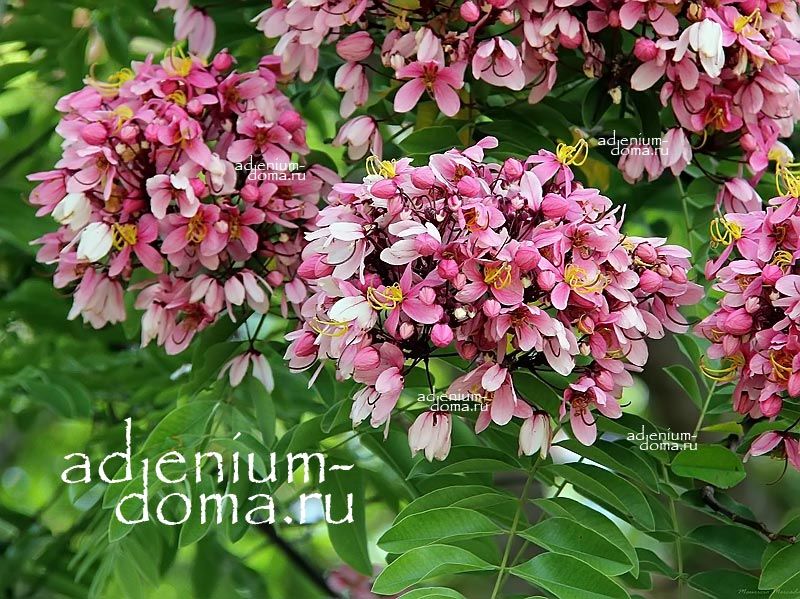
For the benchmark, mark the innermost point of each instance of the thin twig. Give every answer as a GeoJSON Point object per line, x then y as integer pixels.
{"type": "Point", "coordinates": [707, 493]}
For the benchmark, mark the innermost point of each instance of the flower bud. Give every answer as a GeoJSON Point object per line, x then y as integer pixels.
{"type": "Point", "coordinates": [423, 178]}
{"type": "Point", "coordinates": [507, 17]}
{"type": "Point", "coordinates": [441, 335]}
{"type": "Point", "coordinates": [536, 435]}
{"type": "Point", "coordinates": [646, 253]}
{"type": "Point", "coordinates": [447, 269]}
{"type": "Point", "coordinates": [469, 186]}
{"type": "Point", "coordinates": [425, 244]}
{"type": "Point", "coordinates": [467, 349]}
{"type": "Point", "coordinates": [513, 169]}
{"type": "Point", "coordinates": [491, 308]}
{"type": "Point", "coordinates": [460, 314]}
{"type": "Point", "coordinates": [94, 134]}
{"type": "Point", "coordinates": [384, 189]}
{"type": "Point", "coordinates": [650, 282]}
{"type": "Point", "coordinates": [613, 19]}
{"type": "Point", "coordinates": [355, 47]}
{"type": "Point", "coordinates": [554, 206]}
{"type": "Point", "coordinates": [128, 134]}
{"type": "Point", "coordinates": [738, 322]}
{"type": "Point", "coordinates": [222, 61]}
{"type": "Point", "coordinates": [645, 49]}
{"type": "Point", "coordinates": [527, 257]}
{"type": "Point", "coordinates": [274, 278]}
{"type": "Point", "coordinates": [752, 304]}
{"type": "Point", "coordinates": [546, 280]}
{"type": "Point", "coordinates": [405, 330]}
{"type": "Point", "coordinates": [199, 187]}
{"type": "Point", "coordinates": [469, 11]}
{"type": "Point", "coordinates": [459, 281]}
{"type": "Point", "coordinates": [771, 274]}
{"type": "Point", "coordinates": [678, 275]}
{"type": "Point", "coordinates": [367, 358]}
{"type": "Point", "coordinates": [249, 193]}
{"type": "Point", "coordinates": [771, 406]}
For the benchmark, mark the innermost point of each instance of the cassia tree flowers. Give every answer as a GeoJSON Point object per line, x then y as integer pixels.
{"type": "Point", "coordinates": [516, 266]}
{"type": "Point", "coordinates": [728, 72]}
{"type": "Point", "coordinates": [755, 329]}
{"type": "Point", "coordinates": [150, 198]}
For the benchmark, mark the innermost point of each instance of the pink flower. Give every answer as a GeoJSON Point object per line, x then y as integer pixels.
{"type": "Point", "coordinates": [361, 136]}
{"type": "Point", "coordinates": [136, 238]}
{"type": "Point", "coordinates": [431, 433]}
{"type": "Point", "coordinates": [237, 369]}
{"type": "Point", "coordinates": [164, 189]}
{"type": "Point", "coordinates": [497, 62]}
{"type": "Point", "coordinates": [439, 81]}
{"type": "Point", "coordinates": [535, 435]}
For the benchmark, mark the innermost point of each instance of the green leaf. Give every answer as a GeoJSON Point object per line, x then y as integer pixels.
{"type": "Point", "coordinates": [438, 524]}
{"type": "Point", "coordinates": [594, 520]}
{"type": "Point", "coordinates": [349, 539]}
{"type": "Point", "coordinates": [423, 563]}
{"type": "Point", "coordinates": [782, 567]}
{"type": "Point", "coordinates": [562, 535]}
{"type": "Point", "coordinates": [596, 102]}
{"type": "Point", "coordinates": [433, 593]}
{"type": "Point", "coordinates": [610, 488]}
{"type": "Point", "coordinates": [743, 546]}
{"type": "Point", "coordinates": [568, 578]}
{"type": "Point", "coordinates": [725, 584]}
{"type": "Point", "coordinates": [687, 381]}
{"type": "Point", "coordinates": [264, 407]}
{"type": "Point", "coordinates": [711, 463]}
{"type": "Point", "coordinates": [431, 140]}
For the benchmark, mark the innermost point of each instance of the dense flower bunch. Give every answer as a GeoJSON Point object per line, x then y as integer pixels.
{"type": "Point", "coordinates": [755, 329]}
{"type": "Point", "coordinates": [153, 196]}
{"type": "Point", "coordinates": [515, 265]}
{"type": "Point", "coordinates": [726, 69]}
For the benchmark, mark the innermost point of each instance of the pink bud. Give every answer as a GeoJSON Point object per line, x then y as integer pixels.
{"type": "Point", "coordinates": [425, 244]}
{"type": "Point", "coordinates": [305, 346]}
{"type": "Point", "coordinates": [355, 47]}
{"type": "Point", "coordinates": [128, 134]}
{"type": "Point", "coordinates": [650, 282]}
{"type": "Point", "coordinates": [367, 358]}
{"type": "Point", "coordinates": [151, 132]}
{"type": "Point", "coordinates": [665, 270]}
{"type": "Point", "coordinates": [423, 178]}
{"type": "Point", "coordinates": [470, 11]}
{"type": "Point", "coordinates": [447, 269]}
{"type": "Point", "coordinates": [748, 142]}
{"type": "Point", "coordinates": [249, 193]}
{"type": "Point", "coordinates": [222, 61]}
{"type": "Point", "coordinates": [94, 134]}
{"type": "Point", "coordinates": [194, 107]}
{"type": "Point", "coordinates": [459, 281]}
{"type": "Point", "coordinates": [554, 206]}
{"type": "Point", "coordinates": [200, 189]}
{"type": "Point", "coordinates": [314, 267]}
{"type": "Point", "coordinates": [780, 54]}
{"type": "Point", "coordinates": [678, 275]}
{"type": "Point", "coordinates": [405, 330]}
{"type": "Point", "coordinates": [527, 257]}
{"type": "Point", "coordinates": [441, 335]}
{"type": "Point", "coordinates": [507, 17]}
{"type": "Point", "coordinates": [646, 253]}
{"type": "Point", "coordinates": [491, 308]}
{"type": "Point", "coordinates": [384, 189]}
{"type": "Point", "coordinates": [469, 186]}
{"type": "Point", "coordinates": [765, 443]}
{"type": "Point", "coordinates": [645, 49]}
{"type": "Point", "coordinates": [738, 322]}
{"type": "Point", "coordinates": [466, 349]}
{"type": "Point", "coordinates": [274, 278]}
{"type": "Point", "coordinates": [513, 169]}
{"type": "Point", "coordinates": [613, 19]}
{"type": "Point", "coordinates": [771, 274]}
{"type": "Point", "coordinates": [752, 304]}
{"type": "Point", "coordinates": [771, 406]}
{"type": "Point", "coordinates": [546, 280]}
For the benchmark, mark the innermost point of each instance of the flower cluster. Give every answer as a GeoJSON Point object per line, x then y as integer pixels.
{"type": "Point", "coordinates": [725, 69]}
{"type": "Point", "coordinates": [153, 195]}
{"type": "Point", "coordinates": [515, 265]}
{"type": "Point", "coordinates": [755, 329]}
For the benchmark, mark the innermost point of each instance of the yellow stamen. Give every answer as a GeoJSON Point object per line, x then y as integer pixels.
{"type": "Point", "coordinates": [497, 275]}
{"type": "Point", "coordinates": [123, 113]}
{"type": "Point", "coordinates": [177, 63]}
{"type": "Point", "coordinates": [322, 327]}
{"type": "Point", "coordinates": [381, 168]}
{"type": "Point", "coordinates": [575, 277]}
{"type": "Point", "coordinates": [723, 232]}
{"type": "Point", "coordinates": [573, 155]}
{"type": "Point", "coordinates": [178, 97]}
{"type": "Point", "coordinates": [388, 299]}
{"type": "Point", "coordinates": [196, 229]}
{"type": "Point", "coordinates": [725, 374]}
{"type": "Point", "coordinates": [122, 235]}
{"type": "Point", "coordinates": [110, 87]}
{"type": "Point", "coordinates": [787, 179]}
{"type": "Point", "coordinates": [782, 259]}
{"type": "Point", "coordinates": [781, 361]}
{"type": "Point", "coordinates": [754, 19]}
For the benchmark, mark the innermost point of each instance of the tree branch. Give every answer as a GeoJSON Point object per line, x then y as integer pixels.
{"type": "Point", "coordinates": [707, 493]}
{"type": "Point", "coordinates": [297, 559]}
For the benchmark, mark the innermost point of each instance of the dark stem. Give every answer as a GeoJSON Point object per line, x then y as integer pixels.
{"type": "Point", "coordinates": [298, 560]}
{"type": "Point", "coordinates": [707, 493]}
